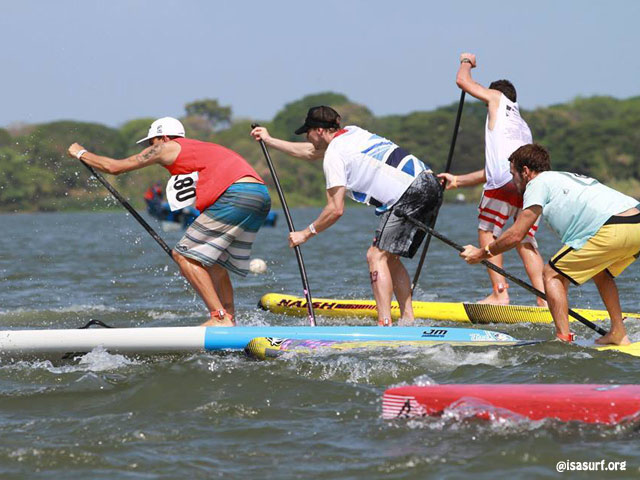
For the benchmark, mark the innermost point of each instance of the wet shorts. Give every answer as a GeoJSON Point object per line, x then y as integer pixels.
{"type": "Point", "coordinates": [613, 248]}
{"type": "Point", "coordinates": [497, 206]}
{"type": "Point", "coordinates": [398, 236]}
{"type": "Point", "coordinates": [224, 233]}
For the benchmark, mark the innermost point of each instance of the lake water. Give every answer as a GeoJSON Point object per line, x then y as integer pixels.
{"type": "Point", "coordinates": [308, 417]}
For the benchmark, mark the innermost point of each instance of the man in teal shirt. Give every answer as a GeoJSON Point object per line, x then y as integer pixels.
{"type": "Point", "coordinates": [599, 226]}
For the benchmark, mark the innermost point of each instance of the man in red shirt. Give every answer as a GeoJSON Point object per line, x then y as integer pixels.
{"type": "Point", "coordinates": [230, 194]}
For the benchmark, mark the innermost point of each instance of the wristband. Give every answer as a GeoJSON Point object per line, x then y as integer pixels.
{"type": "Point", "coordinates": [312, 229]}
{"type": "Point", "coordinates": [466, 60]}
{"type": "Point", "coordinates": [568, 337]}
{"type": "Point", "coordinates": [488, 251]}
{"type": "Point", "coordinates": [454, 182]}
{"type": "Point", "coordinates": [80, 153]}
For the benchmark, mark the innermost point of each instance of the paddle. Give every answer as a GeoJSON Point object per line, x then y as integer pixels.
{"type": "Point", "coordinates": [131, 210]}
{"type": "Point", "coordinates": [303, 273]}
{"type": "Point", "coordinates": [434, 215]}
{"type": "Point", "coordinates": [502, 272]}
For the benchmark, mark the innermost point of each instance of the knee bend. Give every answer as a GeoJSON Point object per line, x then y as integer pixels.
{"type": "Point", "coordinates": [177, 257]}
{"type": "Point", "coordinates": [548, 273]}
{"type": "Point", "coordinates": [375, 255]}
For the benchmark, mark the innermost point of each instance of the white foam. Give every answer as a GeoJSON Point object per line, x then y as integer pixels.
{"type": "Point", "coordinates": [97, 360]}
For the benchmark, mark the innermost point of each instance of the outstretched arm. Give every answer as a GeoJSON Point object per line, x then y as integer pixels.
{"type": "Point", "coordinates": [329, 215]}
{"type": "Point", "coordinates": [466, 180]}
{"type": "Point", "coordinates": [304, 150]}
{"type": "Point", "coordinates": [160, 153]}
{"type": "Point", "coordinates": [509, 239]}
{"type": "Point", "coordinates": [464, 80]}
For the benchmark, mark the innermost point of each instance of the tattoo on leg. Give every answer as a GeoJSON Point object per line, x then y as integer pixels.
{"type": "Point", "coordinates": [374, 276]}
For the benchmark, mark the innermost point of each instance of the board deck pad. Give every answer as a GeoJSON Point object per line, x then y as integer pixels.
{"type": "Point", "coordinates": [475, 313]}
{"type": "Point", "coordinates": [607, 404]}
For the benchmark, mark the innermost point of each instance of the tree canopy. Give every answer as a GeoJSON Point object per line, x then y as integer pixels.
{"type": "Point", "coordinates": [596, 136]}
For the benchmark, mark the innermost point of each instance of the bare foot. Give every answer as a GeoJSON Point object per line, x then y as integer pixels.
{"type": "Point", "coordinates": [214, 322]}
{"type": "Point", "coordinates": [496, 299]}
{"type": "Point", "coordinates": [614, 338]}
{"type": "Point", "coordinates": [542, 303]}
{"type": "Point", "coordinates": [500, 296]}
{"type": "Point", "coordinates": [405, 322]}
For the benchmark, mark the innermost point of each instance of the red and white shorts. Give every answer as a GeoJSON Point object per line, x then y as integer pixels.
{"type": "Point", "coordinates": [497, 206]}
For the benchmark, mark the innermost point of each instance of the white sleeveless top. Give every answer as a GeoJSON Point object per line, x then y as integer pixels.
{"type": "Point", "coordinates": [509, 133]}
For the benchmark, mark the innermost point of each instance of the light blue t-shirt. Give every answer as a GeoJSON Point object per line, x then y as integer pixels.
{"type": "Point", "coordinates": [574, 206]}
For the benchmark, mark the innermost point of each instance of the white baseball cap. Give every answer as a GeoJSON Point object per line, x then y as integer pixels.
{"type": "Point", "coordinates": [169, 126]}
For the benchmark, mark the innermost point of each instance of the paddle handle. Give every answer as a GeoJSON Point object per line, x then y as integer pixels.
{"type": "Point", "coordinates": [501, 271]}
{"type": "Point", "coordinates": [447, 168]}
{"type": "Point", "coordinates": [287, 215]}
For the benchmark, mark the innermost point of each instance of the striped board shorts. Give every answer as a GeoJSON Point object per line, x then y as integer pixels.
{"type": "Point", "coordinates": [224, 233]}
{"type": "Point", "coordinates": [497, 206]}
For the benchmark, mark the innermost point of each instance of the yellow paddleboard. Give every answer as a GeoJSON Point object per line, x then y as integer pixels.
{"type": "Point", "coordinates": [631, 349]}
{"type": "Point", "coordinates": [458, 312]}
{"type": "Point", "coordinates": [268, 347]}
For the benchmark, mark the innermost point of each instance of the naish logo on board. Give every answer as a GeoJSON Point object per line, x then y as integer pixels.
{"type": "Point", "coordinates": [328, 305]}
{"type": "Point", "coordinates": [435, 332]}
{"type": "Point", "coordinates": [303, 304]}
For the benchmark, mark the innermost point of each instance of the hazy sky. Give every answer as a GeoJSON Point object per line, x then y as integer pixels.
{"type": "Point", "coordinates": [113, 60]}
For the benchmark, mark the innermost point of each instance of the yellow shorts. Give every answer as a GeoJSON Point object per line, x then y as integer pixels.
{"type": "Point", "coordinates": [613, 249]}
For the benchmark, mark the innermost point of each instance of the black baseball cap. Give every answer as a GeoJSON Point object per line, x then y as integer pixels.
{"type": "Point", "coordinates": [320, 117]}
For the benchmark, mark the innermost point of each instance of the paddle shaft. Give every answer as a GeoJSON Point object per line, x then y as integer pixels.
{"type": "Point", "coordinates": [501, 271]}
{"type": "Point", "coordinates": [434, 215]}
{"type": "Point", "coordinates": [131, 210]}
{"type": "Point", "coordinates": [287, 214]}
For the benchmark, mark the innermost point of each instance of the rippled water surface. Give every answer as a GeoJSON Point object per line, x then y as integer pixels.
{"type": "Point", "coordinates": [224, 415]}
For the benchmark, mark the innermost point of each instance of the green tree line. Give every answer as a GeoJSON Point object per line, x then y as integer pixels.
{"type": "Point", "coordinates": [596, 136]}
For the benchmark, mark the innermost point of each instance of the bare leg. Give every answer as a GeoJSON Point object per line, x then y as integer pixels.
{"type": "Point", "coordinates": [199, 278]}
{"type": "Point", "coordinates": [222, 284]}
{"type": "Point", "coordinates": [609, 292]}
{"type": "Point", "coordinates": [381, 283]}
{"type": "Point", "coordinates": [500, 296]}
{"type": "Point", "coordinates": [533, 264]}
{"type": "Point", "coordinates": [556, 287]}
{"type": "Point", "coordinates": [401, 288]}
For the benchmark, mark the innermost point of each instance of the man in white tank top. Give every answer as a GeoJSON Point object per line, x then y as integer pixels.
{"type": "Point", "coordinates": [375, 171]}
{"type": "Point", "coordinates": [505, 132]}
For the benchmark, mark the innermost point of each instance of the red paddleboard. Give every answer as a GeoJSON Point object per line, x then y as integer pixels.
{"type": "Point", "coordinates": [585, 403]}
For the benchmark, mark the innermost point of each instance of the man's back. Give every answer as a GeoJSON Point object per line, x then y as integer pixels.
{"type": "Point", "coordinates": [509, 133]}
{"type": "Point", "coordinates": [374, 170]}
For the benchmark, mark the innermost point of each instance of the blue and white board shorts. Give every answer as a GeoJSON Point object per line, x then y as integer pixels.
{"type": "Point", "coordinates": [224, 233]}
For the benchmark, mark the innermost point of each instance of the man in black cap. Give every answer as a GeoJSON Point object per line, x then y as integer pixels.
{"type": "Point", "coordinates": [374, 171]}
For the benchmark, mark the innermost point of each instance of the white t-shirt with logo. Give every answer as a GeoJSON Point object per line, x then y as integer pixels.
{"type": "Point", "coordinates": [374, 170]}
{"type": "Point", "coordinates": [509, 133]}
